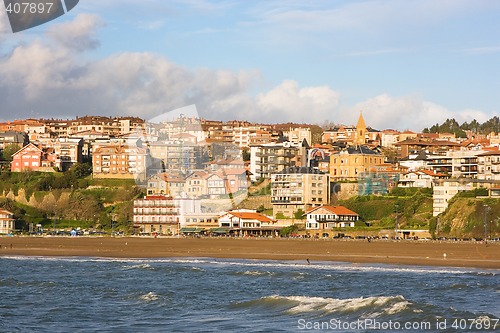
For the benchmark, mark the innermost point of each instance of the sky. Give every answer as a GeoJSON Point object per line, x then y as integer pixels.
{"type": "Point", "coordinates": [403, 64]}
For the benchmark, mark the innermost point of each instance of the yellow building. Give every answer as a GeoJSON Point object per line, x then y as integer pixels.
{"type": "Point", "coordinates": [350, 163]}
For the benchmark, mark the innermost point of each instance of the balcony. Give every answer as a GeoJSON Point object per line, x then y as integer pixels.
{"type": "Point", "coordinates": [262, 154]}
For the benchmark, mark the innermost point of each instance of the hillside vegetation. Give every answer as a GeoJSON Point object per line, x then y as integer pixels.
{"type": "Point", "coordinates": [465, 218]}
{"type": "Point", "coordinates": [414, 209]}
{"type": "Point", "coordinates": [72, 199]}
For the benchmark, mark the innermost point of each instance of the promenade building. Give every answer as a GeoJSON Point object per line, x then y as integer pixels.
{"type": "Point", "coordinates": [247, 222]}
{"type": "Point", "coordinates": [326, 217]}
{"type": "Point", "coordinates": [7, 222]}
{"type": "Point", "coordinates": [156, 214]}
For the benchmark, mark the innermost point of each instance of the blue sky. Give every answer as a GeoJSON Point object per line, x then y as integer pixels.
{"type": "Point", "coordinates": [405, 64]}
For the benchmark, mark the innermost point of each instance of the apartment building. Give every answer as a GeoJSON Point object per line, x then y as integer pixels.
{"type": "Point", "coordinates": [106, 125]}
{"type": "Point", "coordinates": [420, 178]}
{"type": "Point", "coordinates": [179, 156]}
{"type": "Point", "coordinates": [298, 134]}
{"type": "Point", "coordinates": [170, 184]}
{"type": "Point", "coordinates": [489, 165]}
{"type": "Point", "coordinates": [445, 189]}
{"type": "Point", "coordinates": [117, 160]}
{"type": "Point", "coordinates": [295, 188]}
{"type": "Point", "coordinates": [68, 151]}
{"type": "Point", "coordinates": [267, 159]}
{"type": "Point", "coordinates": [433, 146]}
{"type": "Point", "coordinates": [12, 137]}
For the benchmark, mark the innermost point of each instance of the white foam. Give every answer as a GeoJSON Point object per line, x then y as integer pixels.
{"type": "Point", "coordinates": [257, 273]}
{"type": "Point", "coordinates": [334, 266]}
{"type": "Point", "coordinates": [378, 304]}
{"type": "Point", "coordinates": [149, 297]}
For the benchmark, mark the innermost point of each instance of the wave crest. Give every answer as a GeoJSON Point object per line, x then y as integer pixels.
{"type": "Point", "coordinates": [368, 307]}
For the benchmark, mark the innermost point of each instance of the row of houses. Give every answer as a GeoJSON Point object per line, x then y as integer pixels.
{"type": "Point", "coordinates": [165, 215]}
{"type": "Point", "coordinates": [199, 160]}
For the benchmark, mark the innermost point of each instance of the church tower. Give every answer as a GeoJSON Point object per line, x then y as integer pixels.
{"type": "Point", "coordinates": [360, 138]}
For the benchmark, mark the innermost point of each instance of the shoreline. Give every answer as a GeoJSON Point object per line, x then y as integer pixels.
{"type": "Point", "coordinates": [416, 253]}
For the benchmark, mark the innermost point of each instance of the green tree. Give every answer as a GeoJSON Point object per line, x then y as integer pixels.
{"type": "Point", "coordinates": [299, 214]}
{"type": "Point", "coordinates": [9, 150]}
{"type": "Point", "coordinates": [287, 231]}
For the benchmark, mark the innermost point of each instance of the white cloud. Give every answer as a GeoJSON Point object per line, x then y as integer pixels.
{"type": "Point", "coordinates": [54, 80]}
{"type": "Point", "coordinates": [406, 112]}
{"type": "Point", "coordinates": [362, 15]}
{"type": "Point", "coordinates": [4, 24]}
{"type": "Point", "coordinates": [78, 34]}
{"type": "Point", "coordinates": [289, 102]}
{"type": "Point", "coordinates": [41, 79]}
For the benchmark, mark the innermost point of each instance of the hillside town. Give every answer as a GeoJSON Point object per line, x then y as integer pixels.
{"type": "Point", "coordinates": [196, 173]}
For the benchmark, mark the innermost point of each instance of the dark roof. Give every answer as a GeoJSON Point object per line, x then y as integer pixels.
{"type": "Point", "coordinates": [421, 156]}
{"type": "Point", "coordinates": [305, 144]}
{"type": "Point", "coordinates": [361, 150]}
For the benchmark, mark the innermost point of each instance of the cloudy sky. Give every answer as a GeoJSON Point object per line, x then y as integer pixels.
{"type": "Point", "coordinates": [405, 64]}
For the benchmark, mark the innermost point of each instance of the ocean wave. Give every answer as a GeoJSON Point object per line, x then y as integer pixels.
{"type": "Point", "coordinates": [138, 266]}
{"type": "Point", "coordinates": [368, 307]}
{"type": "Point", "coordinates": [326, 266]}
{"type": "Point", "coordinates": [255, 273]}
{"type": "Point", "coordinates": [149, 297]}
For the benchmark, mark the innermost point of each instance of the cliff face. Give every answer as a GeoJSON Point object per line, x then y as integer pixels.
{"type": "Point", "coordinates": [465, 217]}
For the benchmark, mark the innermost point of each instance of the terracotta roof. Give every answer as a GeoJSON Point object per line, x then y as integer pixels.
{"type": "Point", "coordinates": [429, 172]}
{"type": "Point", "coordinates": [338, 210]}
{"type": "Point", "coordinates": [3, 211]}
{"type": "Point", "coordinates": [490, 153]}
{"type": "Point", "coordinates": [157, 197]}
{"type": "Point", "coordinates": [172, 178]}
{"type": "Point", "coordinates": [251, 216]}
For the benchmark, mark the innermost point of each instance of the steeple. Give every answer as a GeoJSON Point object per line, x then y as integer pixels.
{"type": "Point", "coordinates": [360, 130]}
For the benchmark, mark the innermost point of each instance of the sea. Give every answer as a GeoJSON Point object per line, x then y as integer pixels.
{"type": "Point", "coordinates": [44, 294]}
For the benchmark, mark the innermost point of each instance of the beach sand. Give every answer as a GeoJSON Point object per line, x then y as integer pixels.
{"type": "Point", "coordinates": [425, 253]}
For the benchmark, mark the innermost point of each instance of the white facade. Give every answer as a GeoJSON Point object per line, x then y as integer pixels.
{"type": "Point", "coordinates": [489, 166]}
{"type": "Point", "coordinates": [445, 189]}
{"type": "Point", "coordinates": [7, 222]}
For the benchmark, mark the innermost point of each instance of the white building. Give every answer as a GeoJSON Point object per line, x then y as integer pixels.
{"type": "Point", "coordinates": [489, 165]}
{"type": "Point", "coordinates": [420, 178]}
{"type": "Point", "coordinates": [328, 217]}
{"type": "Point", "coordinates": [156, 214]}
{"type": "Point", "coordinates": [445, 189]}
{"type": "Point", "coordinates": [7, 222]}
{"type": "Point", "coordinates": [244, 222]}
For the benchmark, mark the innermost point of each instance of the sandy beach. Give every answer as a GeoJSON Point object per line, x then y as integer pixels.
{"type": "Point", "coordinates": [425, 253]}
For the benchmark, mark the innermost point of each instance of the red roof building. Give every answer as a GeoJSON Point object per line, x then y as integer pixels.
{"type": "Point", "coordinates": [329, 217]}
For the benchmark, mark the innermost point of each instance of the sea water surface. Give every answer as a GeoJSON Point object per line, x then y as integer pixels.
{"type": "Point", "coordinates": [40, 294]}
